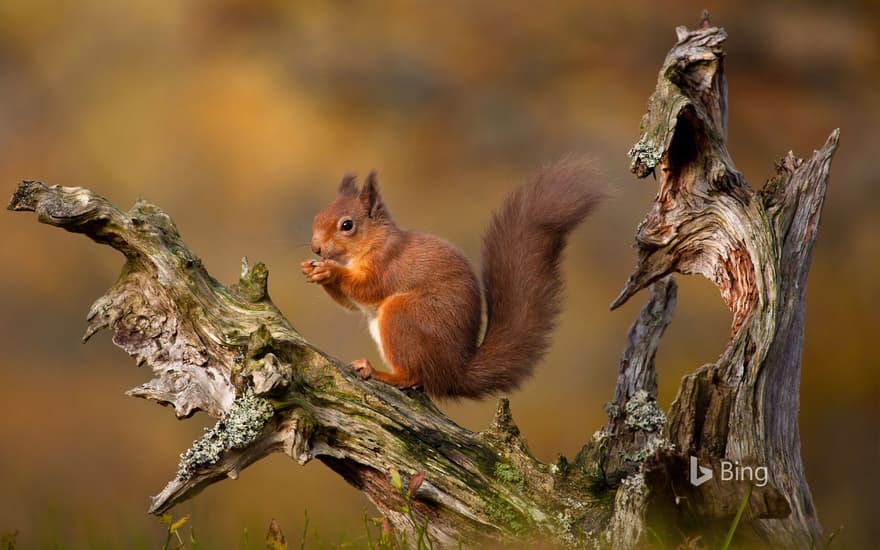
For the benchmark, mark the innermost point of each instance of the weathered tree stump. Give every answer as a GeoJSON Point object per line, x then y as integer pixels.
{"type": "Point", "coordinates": [228, 351]}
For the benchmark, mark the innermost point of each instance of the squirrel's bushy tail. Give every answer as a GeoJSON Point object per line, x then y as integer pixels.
{"type": "Point", "coordinates": [521, 280]}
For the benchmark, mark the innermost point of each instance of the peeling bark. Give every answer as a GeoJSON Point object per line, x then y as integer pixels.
{"type": "Point", "coordinates": [228, 351]}
{"type": "Point", "coordinates": [756, 247]}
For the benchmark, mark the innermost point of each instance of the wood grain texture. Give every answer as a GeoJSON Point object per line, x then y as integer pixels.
{"type": "Point", "coordinates": [228, 351]}
{"type": "Point", "coordinates": [755, 246]}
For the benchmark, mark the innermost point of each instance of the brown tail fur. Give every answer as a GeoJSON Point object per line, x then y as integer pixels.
{"type": "Point", "coordinates": [521, 280]}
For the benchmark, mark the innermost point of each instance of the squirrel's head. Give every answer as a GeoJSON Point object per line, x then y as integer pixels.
{"type": "Point", "coordinates": [353, 224]}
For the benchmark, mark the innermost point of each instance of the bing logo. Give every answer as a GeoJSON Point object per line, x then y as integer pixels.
{"type": "Point", "coordinates": [730, 471]}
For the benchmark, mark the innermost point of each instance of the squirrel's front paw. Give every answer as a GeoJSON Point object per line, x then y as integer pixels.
{"type": "Point", "coordinates": [321, 271]}
{"type": "Point", "coordinates": [363, 368]}
{"type": "Point", "coordinates": [308, 266]}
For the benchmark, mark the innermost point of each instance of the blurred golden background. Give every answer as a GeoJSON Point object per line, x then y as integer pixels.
{"type": "Point", "coordinates": [239, 117]}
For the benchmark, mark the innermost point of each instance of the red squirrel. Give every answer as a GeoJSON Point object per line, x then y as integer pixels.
{"type": "Point", "coordinates": [422, 298]}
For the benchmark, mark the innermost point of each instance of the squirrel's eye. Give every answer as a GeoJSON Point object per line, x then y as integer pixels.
{"type": "Point", "coordinates": [347, 225]}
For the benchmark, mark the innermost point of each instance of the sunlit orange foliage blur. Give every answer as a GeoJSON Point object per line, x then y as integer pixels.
{"type": "Point", "coordinates": [239, 116]}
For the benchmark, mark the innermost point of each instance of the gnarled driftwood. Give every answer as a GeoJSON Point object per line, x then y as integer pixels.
{"type": "Point", "coordinates": [228, 351]}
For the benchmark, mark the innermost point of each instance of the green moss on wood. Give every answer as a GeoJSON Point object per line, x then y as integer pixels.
{"type": "Point", "coordinates": [505, 514]}
{"type": "Point", "coordinates": [508, 474]}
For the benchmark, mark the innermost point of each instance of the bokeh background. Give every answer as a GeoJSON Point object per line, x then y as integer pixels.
{"type": "Point", "coordinates": [240, 116]}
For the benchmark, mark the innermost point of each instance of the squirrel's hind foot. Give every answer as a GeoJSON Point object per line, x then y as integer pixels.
{"type": "Point", "coordinates": [363, 368]}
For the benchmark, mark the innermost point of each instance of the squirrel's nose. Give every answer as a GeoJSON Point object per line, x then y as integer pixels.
{"type": "Point", "coordinates": [316, 248]}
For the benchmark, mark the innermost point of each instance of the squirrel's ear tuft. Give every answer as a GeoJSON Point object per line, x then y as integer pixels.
{"type": "Point", "coordinates": [348, 186]}
{"type": "Point", "coordinates": [371, 198]}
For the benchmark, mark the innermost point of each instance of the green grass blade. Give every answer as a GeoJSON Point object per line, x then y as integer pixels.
{"type": "Point", "coordinates": [735, 524]}
{"type": "Point", "coordinates": [302, 541]}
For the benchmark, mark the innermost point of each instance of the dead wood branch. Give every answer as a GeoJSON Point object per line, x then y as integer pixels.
{"type": "Point", "coordinates": [228, 351]}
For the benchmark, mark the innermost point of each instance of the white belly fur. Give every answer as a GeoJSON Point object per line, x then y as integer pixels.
{"type": "Point", "coordinates": [374, 332]}
{"type": "Point", "coordinates": [373, 324]}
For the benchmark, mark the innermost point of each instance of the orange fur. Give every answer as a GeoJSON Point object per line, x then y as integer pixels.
{"type": "Point", "coordinates": [421, 295]}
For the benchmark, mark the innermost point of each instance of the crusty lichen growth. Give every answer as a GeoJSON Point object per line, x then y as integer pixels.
{"type": "Point", "coordinates": [646, 156]}
{"type": "Point", "coordinates": [626, 527]}
{"type": "Point", "coordinates": [653, 445]}
{"type": "Point", "coordinates": [239, 427]}
{"type": "Point", "coordinates": [642, 413]}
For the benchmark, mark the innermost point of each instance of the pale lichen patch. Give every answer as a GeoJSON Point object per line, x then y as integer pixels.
{"type": "Point", "coordinates": [239, 427]}
{"type": "Point", "coordinates": [649, 156]}
{"type": "Point", "coordinates": [643, 413]}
